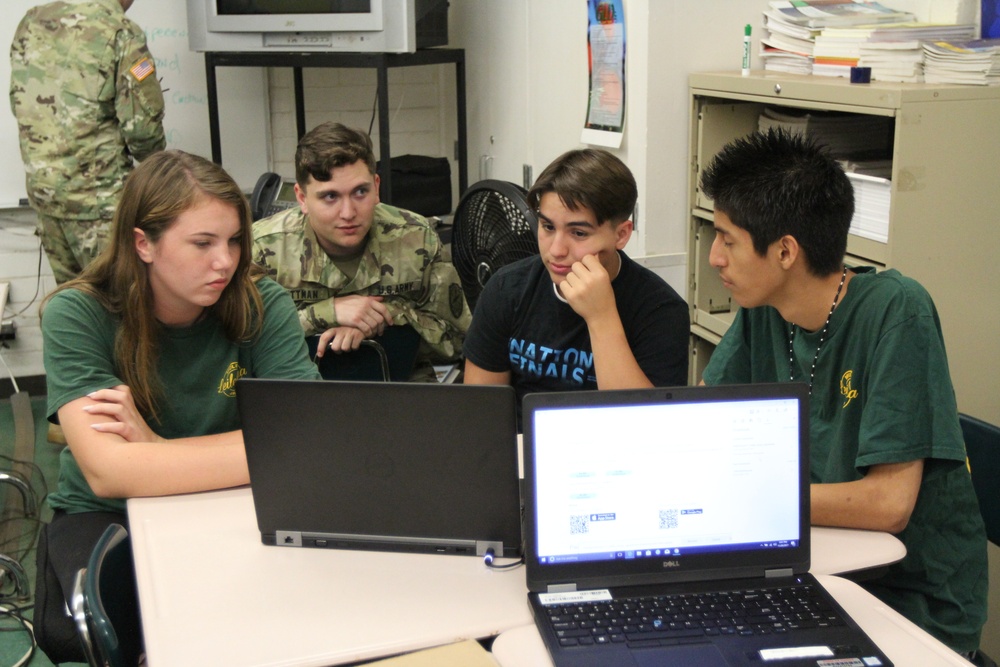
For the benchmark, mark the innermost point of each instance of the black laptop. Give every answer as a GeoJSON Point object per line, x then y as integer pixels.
{"type": "Point", "coordinates": [383, 466]}
{"type": "Point", "coordinates": [671, 527]}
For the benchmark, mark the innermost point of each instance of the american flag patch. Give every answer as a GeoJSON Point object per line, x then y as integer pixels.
{"type": "Point", "coordinates": [142, 69]}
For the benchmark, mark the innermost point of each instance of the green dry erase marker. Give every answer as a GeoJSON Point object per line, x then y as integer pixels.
{"type": "Point", "coordinates": [746, 50]}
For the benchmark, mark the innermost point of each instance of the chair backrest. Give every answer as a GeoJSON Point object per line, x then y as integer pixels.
{"type": "Point", "coordinates": [21, 485]}
{"type": "Point", "coordinates": [9, 566]}
{"type": "Point", "coordinates": [385, 358]}
{"type": "Point", "coordinates": [109, 602]}
{"type": "Point", "coordinates": [982, 445]}
{"type": "Point", "coordinates": [78, 609]}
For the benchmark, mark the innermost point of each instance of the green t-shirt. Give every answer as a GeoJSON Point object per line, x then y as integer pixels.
{"type": "Point", "coordinates": [198, 368]}
{"type": "Point", "coordinates": [883, 394]}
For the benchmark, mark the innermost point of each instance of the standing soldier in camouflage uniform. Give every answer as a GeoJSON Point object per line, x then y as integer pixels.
{"type": "Point", "coordinates": [83, 88]}
{"type": "Point", "coordinates": [355, 266]}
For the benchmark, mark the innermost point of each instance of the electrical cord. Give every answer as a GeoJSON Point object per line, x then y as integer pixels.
{"type": "Point", "coordinates": [38, 285]}
{"type": "Point", "coordinates": [371, 123]}
{"type": "Point", "coordinates": [13, 380]}
{"type": "Point", "coordinates": [490, 556]}
{"type": "Point", "coordinates": [16, 613]}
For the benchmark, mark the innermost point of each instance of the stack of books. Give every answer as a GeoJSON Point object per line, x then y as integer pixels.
{"type": "Point", "coordinates": [973, 62]}
{"type": "Point", "coordinates": [792, 28]}
{"type": "Point", "coordinates": [895, 52]}
{"type": "Point", "coordinates": [900, 62]}
{"type": "Point", "coordinates": [892, 50]}
{"type": "Point", "coordinates": [787, 47]}
{"type": "Point", "coordinates": [838, 50]}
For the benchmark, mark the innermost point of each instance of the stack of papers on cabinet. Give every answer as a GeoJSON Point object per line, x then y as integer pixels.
{"type": "Point", "coordinates": [826, 37]}
{"type": "Point", "coordinates": [974, 61]}
{"type": "Point", "coordinates": [828, 13]}
{"type": "Point", "coordinates": [871, 207]}
{"type": "Point", "coordinates": [895, 52]}
{"type": "Point", "coordinates": [786, 47]}
{"type": "Point", "coordinates": [792, 28]}
{"type": "Point", "coordinates": [779, 60]}
{"type": "Point", "coordinates": [837, 50]}
{"type": "Point", "coordinates": [901, 62]}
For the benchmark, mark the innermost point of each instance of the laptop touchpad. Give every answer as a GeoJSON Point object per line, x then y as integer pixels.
{"type": "Point", "coordinates": [700, 655]}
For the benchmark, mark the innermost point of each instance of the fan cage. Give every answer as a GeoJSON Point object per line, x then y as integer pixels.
{"type": "Point", "coordinates": [492, 228]}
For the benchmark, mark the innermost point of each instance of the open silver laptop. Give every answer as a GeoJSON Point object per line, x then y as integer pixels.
{"type": "Point", "coordinates": [383, 465]}
{"type": "Point", "coordinates": [671, 527]}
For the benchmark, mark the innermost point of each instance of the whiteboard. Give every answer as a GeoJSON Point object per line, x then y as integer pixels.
{"type": "Point", "coordinates": [242, 97]}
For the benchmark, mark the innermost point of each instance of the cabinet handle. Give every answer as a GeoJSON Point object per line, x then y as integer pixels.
{"type": "Point", "coordinates": [777, 89]}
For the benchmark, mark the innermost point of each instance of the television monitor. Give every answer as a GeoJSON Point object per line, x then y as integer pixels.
{"type": "Point", "coordinates": [392, 26]}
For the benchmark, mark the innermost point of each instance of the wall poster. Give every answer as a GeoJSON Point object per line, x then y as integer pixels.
{"type": "Point", "coordinates": [606, 55]}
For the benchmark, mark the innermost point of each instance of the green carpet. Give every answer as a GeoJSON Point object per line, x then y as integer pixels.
{"type": "Point", "coordinates": [18, 534]}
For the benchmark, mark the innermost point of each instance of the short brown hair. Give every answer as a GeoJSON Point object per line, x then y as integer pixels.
{"type": "Point", "coordinates": [592, 178]}
{"type": "Point", "coordinates": [328, 146]}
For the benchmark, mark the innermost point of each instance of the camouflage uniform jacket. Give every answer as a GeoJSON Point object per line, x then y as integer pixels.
{"type": "Point", "coordinates": [402, 263]}
{"type": "Point", "coordinates": [84, 90]}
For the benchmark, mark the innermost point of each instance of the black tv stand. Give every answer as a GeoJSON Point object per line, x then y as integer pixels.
{"type": "Point", "coordinates": [379, 61]}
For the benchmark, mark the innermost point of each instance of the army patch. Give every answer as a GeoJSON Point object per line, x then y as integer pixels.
{"type": "Point", "coordinates": [456, 300]}
{"type": "Point", "coordinates": [142, 69]}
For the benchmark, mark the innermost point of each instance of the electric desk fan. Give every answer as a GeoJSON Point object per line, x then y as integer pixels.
{"type": "Point", "coordinates": [492, 226]}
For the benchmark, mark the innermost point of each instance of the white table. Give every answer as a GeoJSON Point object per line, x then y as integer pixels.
{"type": "Point", "coordinates": [902, 641]}
{"type": "Point", "coordinates": [212, 594]}
{"type": "Point", "coordinates": [844, 550]}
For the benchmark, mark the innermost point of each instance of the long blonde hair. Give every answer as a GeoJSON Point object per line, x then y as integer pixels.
{"type": "Point", "coordinates": [161, 188]}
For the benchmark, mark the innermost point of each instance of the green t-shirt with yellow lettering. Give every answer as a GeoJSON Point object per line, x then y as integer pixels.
{"type": "Point", "coordinates": [883, 394]}
{"type": "Point", "coordinates": [198, 368]}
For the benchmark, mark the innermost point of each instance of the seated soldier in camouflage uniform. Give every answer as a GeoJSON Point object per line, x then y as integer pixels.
{"type": "Point", "coordinates": [355, 266]}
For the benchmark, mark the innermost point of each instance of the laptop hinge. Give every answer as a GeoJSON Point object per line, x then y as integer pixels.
{"type": "Point", "coordinates": [774, 574]}
{"type": "Point", "coordinates": [561, 588]}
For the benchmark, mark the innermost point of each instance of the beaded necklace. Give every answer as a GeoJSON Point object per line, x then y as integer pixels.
{"type": "Point", "coordinates": [822, 337]}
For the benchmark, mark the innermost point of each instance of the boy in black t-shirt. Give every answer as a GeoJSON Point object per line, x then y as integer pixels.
{"type": "Point", "coordinates": [581, 315]}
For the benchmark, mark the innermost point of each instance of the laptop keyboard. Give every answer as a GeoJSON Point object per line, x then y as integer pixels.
{"type": "Point", "coordinates": [691, 617]}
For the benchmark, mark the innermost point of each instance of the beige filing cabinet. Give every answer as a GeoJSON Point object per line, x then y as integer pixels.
{"type": "Point", "coordinates": [944, 215]}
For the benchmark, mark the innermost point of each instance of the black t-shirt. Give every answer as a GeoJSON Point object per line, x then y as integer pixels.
{"type": "Point", "coordinates": [521, 326]}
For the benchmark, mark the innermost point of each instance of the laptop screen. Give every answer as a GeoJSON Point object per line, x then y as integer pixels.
{"type": "Point", "coordinates": [666, 480]}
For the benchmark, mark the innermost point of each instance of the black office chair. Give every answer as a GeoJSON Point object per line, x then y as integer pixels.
{"type": "Point", "coordinates": [493, 226]}
{"type": "Point", "coordinates": [386, 358]}
{"type": "Point", "coordinates": [982, 446]}
{"type": "Point", "coordinates": [10, 568]}
{"type": "Point", "coordinates": [105, 603]}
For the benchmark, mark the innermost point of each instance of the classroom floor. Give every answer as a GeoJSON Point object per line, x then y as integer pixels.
{"type": "Point", "coordinates": [17, 534]}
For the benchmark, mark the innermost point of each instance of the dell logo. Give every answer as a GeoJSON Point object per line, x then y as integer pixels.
{"type": "Point", "coordinates": [671, 563]}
